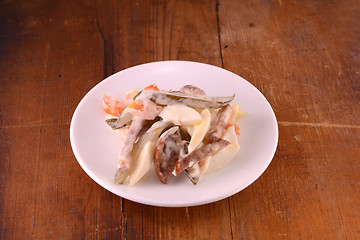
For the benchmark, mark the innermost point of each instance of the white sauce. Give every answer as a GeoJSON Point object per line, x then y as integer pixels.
{"type": "Point", "coordinates": [197, 126]}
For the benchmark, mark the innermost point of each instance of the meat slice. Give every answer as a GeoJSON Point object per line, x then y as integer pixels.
{"type": "Point", "coordinates": [167, 153]}
{"type": "Point", "coordinates": [199, 154]}
{"type": "Point", "coordinates": [218, 124]}
{"type": "Point", "coordinates": [127, 145]}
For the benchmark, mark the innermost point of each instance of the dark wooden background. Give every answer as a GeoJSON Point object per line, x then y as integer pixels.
{"type": "Point", "coordinates": [304, 56]}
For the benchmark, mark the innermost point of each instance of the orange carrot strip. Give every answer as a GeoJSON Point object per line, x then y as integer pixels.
{"type": "Point", "coordinates": [135, 106]}
{"type": "Point", "coordinates": [237, 128]}
{"type": "Point", "coordinates": [112, 105]}
{"type": "Point", "coordinates": [202, 163]}
{"type": "Point", "coordinates": [113, 110]}
{"type": "Point", "coordinates": [152, 87]}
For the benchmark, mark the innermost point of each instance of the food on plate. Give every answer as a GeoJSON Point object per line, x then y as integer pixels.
{"type": "Point", "coordinates": [167, 153]}
{"type": "Point", "coordinates": [163, 98]}
{"type": "Point", "coordinates": [173, 131]}
{"type": "Point", "coordinates": [218, 124]}
{"type": "Point", "coordinates": [199, 154]}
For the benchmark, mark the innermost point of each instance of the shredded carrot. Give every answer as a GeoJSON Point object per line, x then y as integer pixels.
{"type": "Point", "coordinates": [202, 163]}
{"type": "Point", "coordinates": [152, 87]}
{"type": "Point", "coordinates": [237, 128]}
{"type": "Point", "coordinates": [112, 105]}
{"type": "Point", "coordinates": [136, 106]}
{"type": "Point", "coordinates": [114, 110]}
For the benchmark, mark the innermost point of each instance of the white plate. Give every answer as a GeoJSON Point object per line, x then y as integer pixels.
{"type": "Point", "coordinates": [96, 146]}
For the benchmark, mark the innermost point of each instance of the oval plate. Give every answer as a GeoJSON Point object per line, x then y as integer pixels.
{"type": "Point", "coordinates": [96, 146]}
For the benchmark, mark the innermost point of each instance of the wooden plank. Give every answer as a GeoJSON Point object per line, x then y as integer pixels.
{"type": "Point", "coordinates": [287, 50]}
{"type": "Point", "coordinates": [306, 192]}
{"type": "Point", "coordinates": [145, 31]}
{"type": "Point", "coordinates": [304, 61]}
{"type": "Point", "coordinates": [52, 56]}
{"type": "Point", "coordinates": [90, 47]}
{"type": "Point", "coordinates": [139, 32]}
{"type": "Point", "coordinates": [303, 55]}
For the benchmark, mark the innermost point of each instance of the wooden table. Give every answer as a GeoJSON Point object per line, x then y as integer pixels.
{"type": "Point", "coordinates": [304, 56]}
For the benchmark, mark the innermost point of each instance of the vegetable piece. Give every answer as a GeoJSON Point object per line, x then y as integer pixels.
{"type": "Point", "coordinates": [166, 153]}
{"type": "Point", "coordinates": [140, 109]}
{"type": "Point", "coordinates": [136, 105]}
{"type": "Point", "coordinates": [199, 130]}
{"type": "Point", "coordinates": [236, 127]}
{"type": "Point", "coordinates": [152, 87]}
{"type": "Point", "coordinates": [147, 125]}
{"type": "Point", "coordinates": [120, 177]}
{"type": "Point", "coordinates": [113, 106]}
{"type": "Point", "coordinates": [180, 115]}
{"type": "Point", "coordinates": [131, 94]}
{"type": "Point", "coordinates": [196, 171]}
{"type": "Point", "coordinates": [142, 163]}
{"type": "Point", "coordinates": [151, 135]}
{"type": "Point", "coordinates": [193, 173]}
{"type": "Point", "coordinates": [236, 113]}
{"type": "Point", "coordinates": [198, 133]}
{"type": "Point", "coordinates": [144, 109]}
{"type": "Point", "coordinates": [191, 100]}
{"type": "Point", "coordinates": [218, 124]}
{"type": "Point", "coordinates": [200, 154]}
{"type": "Point", "coordinates": [185, 139]}
{"type": "Point", "coordinates": [122, 132]}
{"type": "Point", "coordinates": [225, 155]}
{"type": "Point", "coordinates": [119, 122]}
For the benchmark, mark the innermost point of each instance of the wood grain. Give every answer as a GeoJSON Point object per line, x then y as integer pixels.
{"type": "Point", "coordinates": [292, 54]}
{"type": "Point", "coordinates": [302, 55]}
{"type": "Point", "coordinates": [165, 30]}
{"type": "Point", "coordinates": [56, 58]}
{"type": "Point", "coordinates": [297, 57]}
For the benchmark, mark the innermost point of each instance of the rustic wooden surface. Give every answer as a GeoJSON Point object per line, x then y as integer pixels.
{"type": "Point", "coordinates": [304, 56]}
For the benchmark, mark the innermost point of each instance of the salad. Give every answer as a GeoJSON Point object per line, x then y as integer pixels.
{"type": "Point", "coordinates": [173, 131]}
